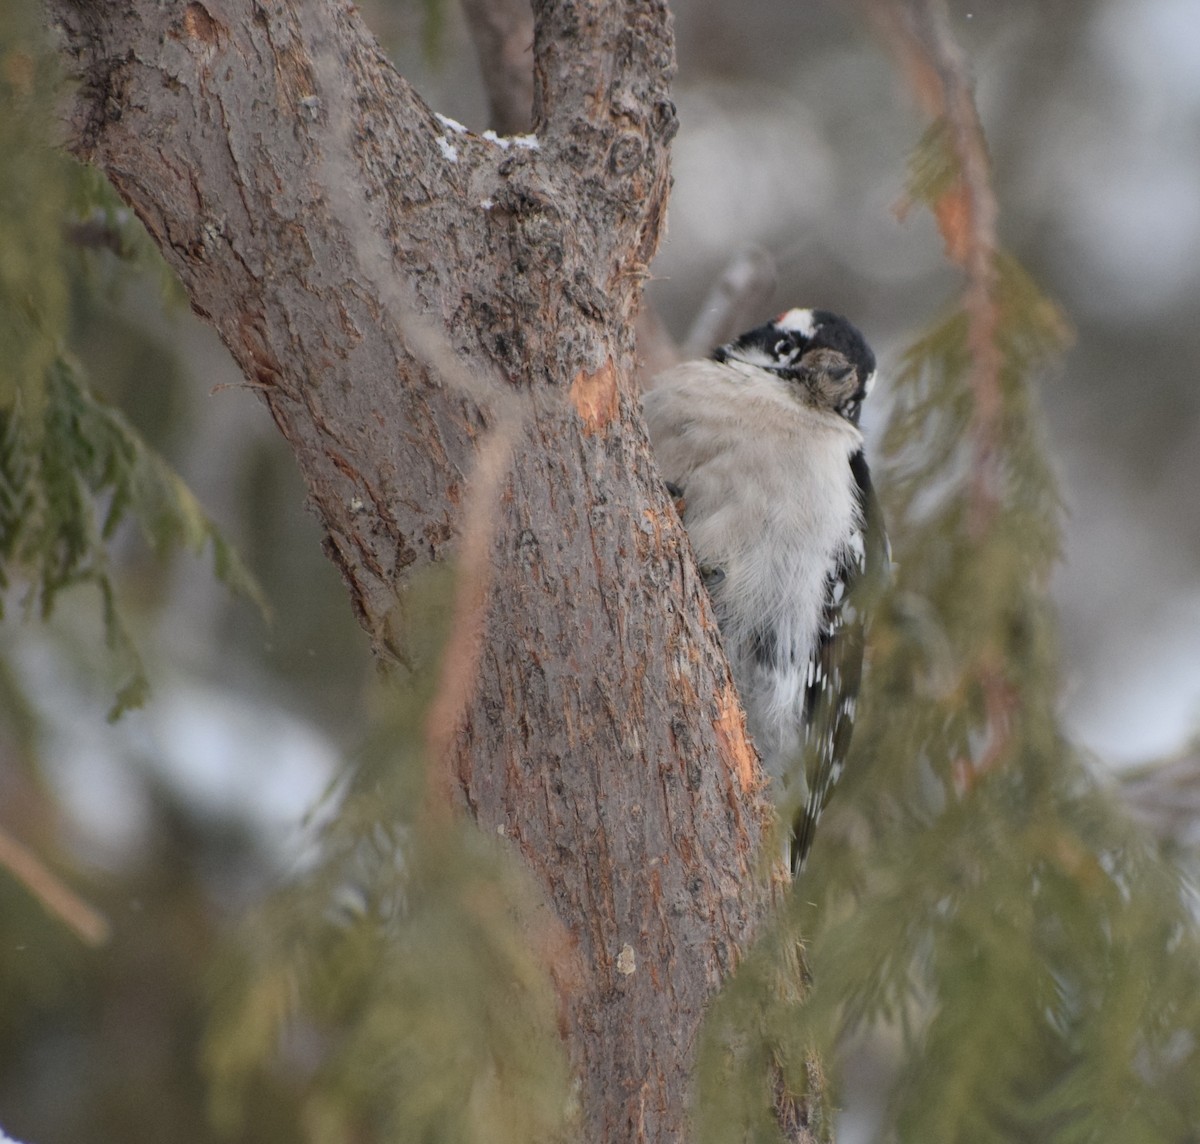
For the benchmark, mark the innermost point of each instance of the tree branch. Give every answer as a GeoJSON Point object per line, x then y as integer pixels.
{"type": "Point", "coordinates": [359, 255]}
{"type": "Point", "coordinates": [213, 125]}
{"type": "Point", "coordinates": [602, 76]}
{"type": "Point", "coordinates": [966, 214]}
{"type": "Point", "coordinates": [503, 35]}
{"type": "Point", "coordinates": [734, 303]}
{"type": "Point", "coordinates": [1165, 796]}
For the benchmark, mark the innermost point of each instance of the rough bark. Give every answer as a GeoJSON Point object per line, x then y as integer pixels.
{"type": "Point", "coordinates": [393, 286]}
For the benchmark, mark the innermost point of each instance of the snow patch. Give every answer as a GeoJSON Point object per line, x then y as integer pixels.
{"type": "Point", "coordinates": [450, 124]}
{"type": "Point", "coordinates": [504, 142]}
{"type": "Point", "coordinates": [448, 149]}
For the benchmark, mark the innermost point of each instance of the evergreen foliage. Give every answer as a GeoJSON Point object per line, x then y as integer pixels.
{"type": "Point", "coordinates": [398, 983]}
{"type": "Point", "coordinates": [974, 885]}
{"type": "Point", "coordinates": [72, 469]}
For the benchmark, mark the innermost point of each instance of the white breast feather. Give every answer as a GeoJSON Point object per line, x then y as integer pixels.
{"type": "Point", "coordinates": [769, 497]}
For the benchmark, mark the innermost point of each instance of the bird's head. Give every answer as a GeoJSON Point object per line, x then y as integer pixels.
{"type": "Point", "coordinates": [817, 351]}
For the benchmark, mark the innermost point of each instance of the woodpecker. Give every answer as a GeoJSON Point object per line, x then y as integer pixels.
{"type": "Point", "coordinates": [760, 446]}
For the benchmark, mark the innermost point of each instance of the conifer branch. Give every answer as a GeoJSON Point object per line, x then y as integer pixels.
{"type": "Point", "coordinates": [966, 212]}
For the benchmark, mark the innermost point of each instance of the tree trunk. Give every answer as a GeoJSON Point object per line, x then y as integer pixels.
{"type": "Point", "coordinates": [395, 288]}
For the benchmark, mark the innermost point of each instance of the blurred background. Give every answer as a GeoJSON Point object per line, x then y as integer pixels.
{"type": "Point", "coordinates": [795, 131]}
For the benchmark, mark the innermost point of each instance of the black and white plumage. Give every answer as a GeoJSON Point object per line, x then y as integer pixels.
{"type": "Point", "coordinates": [761, 443]}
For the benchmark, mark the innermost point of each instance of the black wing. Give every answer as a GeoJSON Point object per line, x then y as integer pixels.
{"type": "Point", "coordinates": [835, 670]}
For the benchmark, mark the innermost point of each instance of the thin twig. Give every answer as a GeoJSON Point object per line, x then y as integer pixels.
{"type": "Point", "coordinates": [422, 336]}
{"type": "Point", "coordinates": [88, 924]}
{"type": "Point", "coordinates": [1165, 796]}
{"type": "Point", "coordinates": [736, 300]}
{"type": "Point", "coordinates": [504, 408]}
{"type": "Point", "coordinates": [96, 232]}
{"type": "Point", "coordinates": [464, 645]}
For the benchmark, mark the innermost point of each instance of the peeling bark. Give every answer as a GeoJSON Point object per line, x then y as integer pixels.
{"type": "Point", "coordinates": [394, 286]}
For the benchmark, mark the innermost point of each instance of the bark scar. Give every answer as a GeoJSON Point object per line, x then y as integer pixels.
{"type": "Point", "coordinates": [730, 727]}
{"type": "Point", "coordinates": [595, 397]}
{"type": "Point", "coordinates": [199, 25]}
